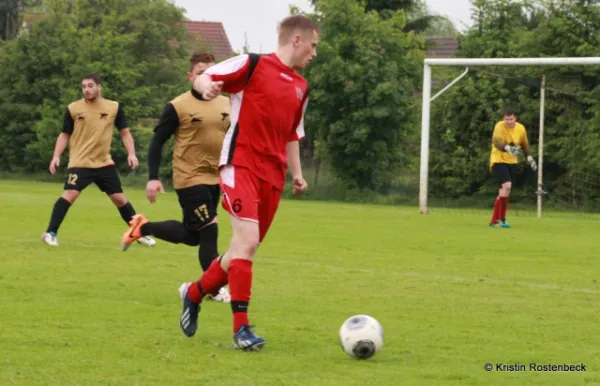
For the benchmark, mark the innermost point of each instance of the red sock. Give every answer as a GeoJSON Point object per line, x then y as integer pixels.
{"type": "Point", "coordinates": [496, 213]}
{"type": "Point", "coordinates": [240, 285]}
{"type": "Point", "coordinates": [504, 207]}
{"type": "Point", "coordinates": [212, 280]}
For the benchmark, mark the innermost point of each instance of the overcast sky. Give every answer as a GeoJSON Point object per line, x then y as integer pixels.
{"type": "Point", "coordinates": [258, 19]}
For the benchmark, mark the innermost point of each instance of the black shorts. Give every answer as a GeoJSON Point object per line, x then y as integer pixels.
{"type": "Point", "coordinates": [504, 172]}
{"type": "Point", "coordinates": [106, 178]}
{"type": "Point", "coordinates": [198, 204]}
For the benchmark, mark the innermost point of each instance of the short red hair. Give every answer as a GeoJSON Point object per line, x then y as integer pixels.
{"type": "Point", "coordinates": [292, 23]}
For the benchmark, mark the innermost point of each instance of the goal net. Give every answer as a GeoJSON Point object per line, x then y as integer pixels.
{"type": "Point", "coordinates": [554, 100]}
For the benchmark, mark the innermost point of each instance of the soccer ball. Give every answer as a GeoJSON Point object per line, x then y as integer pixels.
{"type": "Point", "coordinates": [361, 336]}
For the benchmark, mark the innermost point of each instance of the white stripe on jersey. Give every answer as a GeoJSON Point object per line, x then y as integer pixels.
{"type": "Point", "coordinates": [300, 128]}
{"type": "Point", "coordinates": [236, 106]}
{"type": "Point", "coordinates": [228, 66]}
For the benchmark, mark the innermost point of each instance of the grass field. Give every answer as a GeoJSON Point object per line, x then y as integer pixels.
{"type": "Point", "coordinates": [451, 293]}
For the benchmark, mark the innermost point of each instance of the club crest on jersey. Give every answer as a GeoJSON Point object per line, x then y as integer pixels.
{"type": "Point", "coordinates": [299, 93]}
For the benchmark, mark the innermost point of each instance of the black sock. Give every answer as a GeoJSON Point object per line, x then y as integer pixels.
{"type": "Point", "coordinates": [58, 215]}
{"type": "Point", "coordinates": [171, 231]}
{"type": "Point", "coordinates": [127, 212]}
{"type": "Point", "coordinates": [208, 250]}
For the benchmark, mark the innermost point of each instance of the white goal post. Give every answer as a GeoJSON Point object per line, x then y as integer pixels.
{"type": "Point", "coordinates": [468, 62]}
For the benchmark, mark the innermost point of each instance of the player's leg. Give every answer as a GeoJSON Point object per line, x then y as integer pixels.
{"type": "Point", "coordinates": [191, 200]}
{"type": "Point", "coordinates": [108, 181]}
{"type": "Point", "coordinates": [238, 260]}
{"type": "Point", "coordinates": [240, 199]}
{"type": "Point", "coordinates": [240, 270]}
{"type": "Point", "coordinates": [77, 180]}
{"type": "Point", "coordinates": [502, 173]}
{"type": "Point", "coordinates": [209, 249]}
{"type": "Point", "coordinates": [214, 278]}
{"type": "Point", "coordinates": [199, 207]}
{"type": "Point", "coordinates": [270, 198]}
{"type": "Point", "coordinates": [506, 189]}
{"type": "Point", "coordinates": [240, 266]}
{"type": "Point", "coordinates": [172, 231]}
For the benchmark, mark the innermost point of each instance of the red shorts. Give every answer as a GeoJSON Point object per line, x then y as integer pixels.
{"type": "Point", "coordinates": [247, 197]}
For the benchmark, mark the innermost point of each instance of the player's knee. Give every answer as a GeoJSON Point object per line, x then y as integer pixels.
{"type": "Point", "coordinates": [248, 246]}
{"type": "Point", "coordinates": [245, 241]}
{"type": "Point", "coordinates": [118, 199]}
{"type": "Point", "coordinates": [191, 237]}
{"type": "Point", "coordinates": [70, 195]}
{"type": "Point", "coordinates": [507, 186]}
{"type": "Point", "coordinates": [249, 249]}
{"type": "Point", "coordinates": [243, 246]}
{"type": "Point", "coordinates": [209, 233]}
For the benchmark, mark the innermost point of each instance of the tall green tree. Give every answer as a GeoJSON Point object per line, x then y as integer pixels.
{"type": "Point", "coordinates": [362, 92]}
{"type": "Point", "coordinates": [137, 48]}
{"type": "Point", "coordinates": [418, 18]}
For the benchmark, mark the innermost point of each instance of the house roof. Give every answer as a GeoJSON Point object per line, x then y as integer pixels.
{"type": "Point", "coordinates": [441, 46]}
{"type": "Point", "coordinates": [212, 35]}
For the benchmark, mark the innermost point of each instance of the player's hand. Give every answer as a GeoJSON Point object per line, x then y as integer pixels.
{"type": "Point", "coordinates": [532, 163]}
{"type": "Point", "coordinates": [153, 187]}
{"type": "Point", "coordinates": [300, 186]}
{"type": "Point", "coordinates": [514, 150]}
{"type": "Point", "coordinates": [209, 89]}
{"type": "Point", "coordinates": [54, 163]}
{"type": "Point", "coordinates": [133, 161]}
{"type": "Point", "coordinates": [213, 90]}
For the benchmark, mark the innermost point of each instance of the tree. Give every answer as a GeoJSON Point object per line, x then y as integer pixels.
{"type": "Point", "coordinates": [428, 23]}
{"type": "Point", "coordinates": [10, 16]}
{"type": "Point", "coordinates": [362, 92]}
{"type": "Point", "coordinates": [137, 47]}
{"type": "Point", "coordinates": [463, 118]}
{"type": "Point", "coordinates": [418, 18]}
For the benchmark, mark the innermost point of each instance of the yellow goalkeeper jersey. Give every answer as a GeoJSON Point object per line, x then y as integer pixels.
{"type": "Point", "coordinates": [517, 136]}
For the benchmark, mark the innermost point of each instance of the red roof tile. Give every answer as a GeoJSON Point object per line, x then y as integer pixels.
{"type": "Point", "coordinates": [212, 35]}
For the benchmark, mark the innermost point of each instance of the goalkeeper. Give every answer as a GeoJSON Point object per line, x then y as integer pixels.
{"type": "Point", "coordinates": [509, 143]}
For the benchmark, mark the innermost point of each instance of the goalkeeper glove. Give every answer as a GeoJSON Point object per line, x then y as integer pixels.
{"type": "Point", "coordinates": [532, 163]}
{"type": "Point", "coordinates": [514, 150]}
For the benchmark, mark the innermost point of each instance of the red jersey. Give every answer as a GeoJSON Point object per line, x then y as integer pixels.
{"type": "Point", "coordinates": [267, 112]}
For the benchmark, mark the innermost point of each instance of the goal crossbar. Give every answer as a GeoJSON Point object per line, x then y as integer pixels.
{"type": "Point", "coordinates": [426, 104]}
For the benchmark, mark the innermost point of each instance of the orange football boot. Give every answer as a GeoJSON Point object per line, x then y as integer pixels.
{"type": "Point", "coordinates": [134, 232]}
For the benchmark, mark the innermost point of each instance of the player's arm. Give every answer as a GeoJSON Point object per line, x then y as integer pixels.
{"type": "Point", "coordinates": [293, 153]}
{"type": "Point", "coordinates": [166, 127]}
{"type": "Point", "coordinates": [527, 151]}
{"type": "Point", "coordinates": [62, 141]}
{"type": "Point", "coordinates": [293, 158]}
{"type": "Point", "coordinates": [126, 137]}
{"type": "Point", "coordinates": [525, 144]}
{"type": "Point", "coordinates": [230, 76]}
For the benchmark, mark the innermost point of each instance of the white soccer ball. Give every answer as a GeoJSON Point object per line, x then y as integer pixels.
{"type": "Point", "coordinates": [361, 336]}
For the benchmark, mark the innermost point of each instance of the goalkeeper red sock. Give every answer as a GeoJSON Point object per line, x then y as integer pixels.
{"type": "Point", "coordinates": [213, 279]}
{"type": "Point", "coordinates": [504, 207]}
{"type": "Point", "coordinates": [496, 212]}
{"type": "Point", "coordinates": [240, 285]}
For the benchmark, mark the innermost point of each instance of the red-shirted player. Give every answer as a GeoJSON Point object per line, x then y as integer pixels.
{"type": "Point", "coordinates": [268, 101]}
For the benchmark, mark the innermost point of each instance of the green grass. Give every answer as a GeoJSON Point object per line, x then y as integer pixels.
{"type": "Point", "coordinates": [451, 293]}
